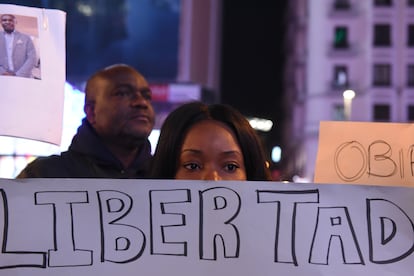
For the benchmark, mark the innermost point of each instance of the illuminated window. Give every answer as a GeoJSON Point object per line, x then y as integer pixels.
{"type": "Point", "coordinates": [340, 76]}
{"type": "Point", "coordinates": [341, 37]}
{"type": "Point", "coordinates": [338, 112]}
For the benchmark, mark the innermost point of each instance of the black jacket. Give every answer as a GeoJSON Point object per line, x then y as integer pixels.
{"type": "Point", "coordinates": [87, 157]}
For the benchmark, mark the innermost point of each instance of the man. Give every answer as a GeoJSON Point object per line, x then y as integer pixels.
{"type": "Point", "coordinates": [17, 52]}
{"type": "Point", "coordinates": [112, 141]}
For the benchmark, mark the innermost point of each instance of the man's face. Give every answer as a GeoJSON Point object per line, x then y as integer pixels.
{"type": "Point", "coordinates": [123, 111]}
{"type": "Point", "coordinates": [8, 22]}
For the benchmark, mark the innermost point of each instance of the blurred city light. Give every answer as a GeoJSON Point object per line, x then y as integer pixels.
{"type": "Point", "coordinates": [261, 124]}
{"type": "Point", "coordinates": [349, 94]}
{"type": "Point", "coordinates": [276, 154]}
{"type": "Point", "coordinates": [85, 9]}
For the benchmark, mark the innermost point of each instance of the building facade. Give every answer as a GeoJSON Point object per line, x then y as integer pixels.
{"type": "Point", "coordinates": [365, 46]}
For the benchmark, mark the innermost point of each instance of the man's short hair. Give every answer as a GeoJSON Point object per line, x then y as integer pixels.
{"type": "Point", "coordinates": [12, 15]}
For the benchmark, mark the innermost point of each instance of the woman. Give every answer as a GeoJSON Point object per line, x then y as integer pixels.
{"type": "Point", "coordinates": [208, 142]}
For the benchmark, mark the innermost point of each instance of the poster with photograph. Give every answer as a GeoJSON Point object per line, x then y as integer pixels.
{"type": "Point", "coordinates": [32, 72]}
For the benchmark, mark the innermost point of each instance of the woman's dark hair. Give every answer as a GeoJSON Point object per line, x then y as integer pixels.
{"type": "Point", "coordinates": [179, 121]}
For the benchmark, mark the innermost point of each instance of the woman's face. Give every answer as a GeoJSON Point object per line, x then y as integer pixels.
{"type": "Point", "coordinates": [210, 152]}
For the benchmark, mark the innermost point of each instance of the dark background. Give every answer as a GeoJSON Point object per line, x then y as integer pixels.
{"type": "Point", "coordinates": [253, 59]}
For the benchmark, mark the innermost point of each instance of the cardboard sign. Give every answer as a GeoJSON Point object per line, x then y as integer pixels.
{"type": "Point", "coordinates": [31, 106]}
{"type": "Point", "coordinates": [165, 227]}
{"type": "Point", "coordinates": [365, 153]}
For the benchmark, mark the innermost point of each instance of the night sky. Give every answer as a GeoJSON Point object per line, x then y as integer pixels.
{"type": "Point", "coordinates": [252, 60]}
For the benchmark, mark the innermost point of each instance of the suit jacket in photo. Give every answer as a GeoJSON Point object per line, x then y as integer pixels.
{"type": "Point", "coordinates": [24, 55]}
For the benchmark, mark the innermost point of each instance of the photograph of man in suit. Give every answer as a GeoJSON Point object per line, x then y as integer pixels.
{"type": "Point", "coordinates": [17, 51]}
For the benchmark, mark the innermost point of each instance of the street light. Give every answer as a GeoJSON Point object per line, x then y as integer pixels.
{"type": "Point", "coordinates": [348, 96]}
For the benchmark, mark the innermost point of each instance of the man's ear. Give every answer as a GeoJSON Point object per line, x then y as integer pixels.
{"type": "Point", "coordinates": [89, 109]}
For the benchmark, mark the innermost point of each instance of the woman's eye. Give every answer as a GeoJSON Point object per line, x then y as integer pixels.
{"type": "Point", "coordinates": [191, 166]}
{"type": "Point", "coordinates": [231, 167]}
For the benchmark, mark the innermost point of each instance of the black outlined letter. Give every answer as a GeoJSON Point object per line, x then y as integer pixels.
{"type": "Point", "coordinates": [380, 162]}
{"type": "Point", "coordinates": [65, 252]}
{"type": "Point", "coordinates": [164, 220]}
{"type": "Point", "coordinates": [286, 202]}
{"type": "Point", "coordinates": [389, 231]}
{"type": "Point", "coordinates": [219, 206]}
{"type": "Point", "coordinates": [334, 222]}
{"type": "Point", "coordinates": [10, 259]}
{"type": "Point", "coordinates": [121, 243]}
{"type": "Point", "coordinates": [349, 151]}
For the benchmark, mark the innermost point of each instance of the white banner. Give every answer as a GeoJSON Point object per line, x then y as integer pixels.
{"type": "Point", "coordinates": [32, 107]}
{"type": "Point", "coordinates": [170, 227]}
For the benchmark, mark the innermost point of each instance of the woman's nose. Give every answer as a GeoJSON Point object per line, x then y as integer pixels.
{"type": "Point", "coordinates": [212, 174]}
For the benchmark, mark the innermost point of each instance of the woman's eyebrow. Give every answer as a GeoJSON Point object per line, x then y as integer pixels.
{"type": "Point", "coordinates": [232, 152]}
{"type": "Point", "coordinates": [191, 150]}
